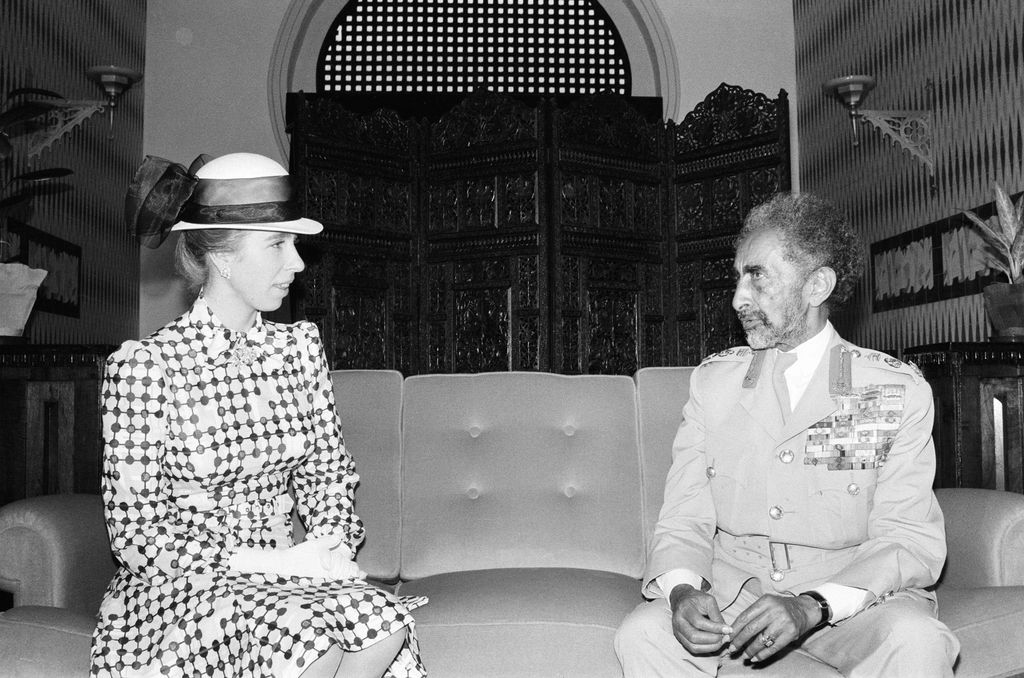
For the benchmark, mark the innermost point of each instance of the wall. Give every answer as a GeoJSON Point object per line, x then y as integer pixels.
{"type": "Point", "coordinates": [209, 74]}
{"type": "Point", "coordinates": [971, 53]}
{"type": "Point", "coordinates": [65, 39]}
{"type": "Point", "coordinates": [748, 43]}
{"type": "Point", "coordinates": [207, 93]}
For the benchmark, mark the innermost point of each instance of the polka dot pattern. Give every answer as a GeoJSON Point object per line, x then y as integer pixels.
{"type": "Point", "coordinates": [206, 431]}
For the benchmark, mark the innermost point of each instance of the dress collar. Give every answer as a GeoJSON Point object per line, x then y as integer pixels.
{"type": "Point", "coordinates": [223, 346]}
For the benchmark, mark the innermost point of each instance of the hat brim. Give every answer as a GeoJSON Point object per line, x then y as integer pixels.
{"type": "Point", "coordinates": [301, 226]}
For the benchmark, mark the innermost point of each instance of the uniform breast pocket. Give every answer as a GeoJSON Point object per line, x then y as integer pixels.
{"type": "Point", "coordinates": [841, 500]}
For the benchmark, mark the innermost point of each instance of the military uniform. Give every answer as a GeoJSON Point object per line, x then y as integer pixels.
{"type": "Point", "coordinates": [762, 499]}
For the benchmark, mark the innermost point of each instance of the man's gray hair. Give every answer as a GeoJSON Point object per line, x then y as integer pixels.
{"type": "Point", "coordinates": [814, 233]}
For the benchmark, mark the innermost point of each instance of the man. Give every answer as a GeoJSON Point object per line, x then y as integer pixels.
{"type": "Point", "coordinates": [798, 517]}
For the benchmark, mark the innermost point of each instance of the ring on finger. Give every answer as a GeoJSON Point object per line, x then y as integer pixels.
{"type": "Point", "coordinates": [767, 640]}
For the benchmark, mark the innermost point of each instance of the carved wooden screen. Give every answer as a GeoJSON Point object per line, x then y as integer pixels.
{"type": "Point", "coordinates": [609, 305]}
{"type": "Point", "coordinates": [485, 246]}
{"type": "Point", "coordinates": [729, 154]}
{"type": "Point", "coordinates": [356, 174]}
{"type": "Point", "coordinates": [498, 233]}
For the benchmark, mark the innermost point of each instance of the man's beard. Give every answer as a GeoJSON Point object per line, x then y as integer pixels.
{"type": "Point", "coordinates": [765, 334]}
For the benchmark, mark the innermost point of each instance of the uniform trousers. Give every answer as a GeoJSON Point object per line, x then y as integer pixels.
{"type": "Point", "coordinates": [899, 637]}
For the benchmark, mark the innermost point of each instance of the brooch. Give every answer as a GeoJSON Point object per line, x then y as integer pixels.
{"type": "Point", "coordinates": [243, 354]}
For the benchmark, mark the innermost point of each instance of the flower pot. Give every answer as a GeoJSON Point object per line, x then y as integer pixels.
{"type": "Point", "coordinates": [1004, 304]}
{"type": "Point", "coordinates": [19, 285]}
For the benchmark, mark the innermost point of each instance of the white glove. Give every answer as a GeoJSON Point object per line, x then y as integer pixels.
{"type": "Point", "coordinates": [323, 558]}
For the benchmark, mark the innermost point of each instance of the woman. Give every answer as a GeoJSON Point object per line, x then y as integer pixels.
{"type": "Point", "coordinates": [215, 427]}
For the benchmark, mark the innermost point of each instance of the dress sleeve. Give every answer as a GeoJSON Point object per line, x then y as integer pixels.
{"type": "Point", "coordinates": [146, 532]}
{"type": "Point", "coordinates": [325, 482]}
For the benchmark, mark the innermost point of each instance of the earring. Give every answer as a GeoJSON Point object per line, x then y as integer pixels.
{"type": "Point", "coordinates": [224, 270]}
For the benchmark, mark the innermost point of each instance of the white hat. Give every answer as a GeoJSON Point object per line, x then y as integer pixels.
{"type": "Point", "coordinates": [244, 191]}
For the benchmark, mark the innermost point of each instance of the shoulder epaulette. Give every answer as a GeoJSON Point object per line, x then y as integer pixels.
{"type": "Point", "coordinates": [734, 354]}
{"type": "Point", "coordinates": [884, 361]}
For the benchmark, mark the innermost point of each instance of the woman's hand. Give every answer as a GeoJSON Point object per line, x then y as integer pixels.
{"type": "Point", "coordinates": [323, 558]}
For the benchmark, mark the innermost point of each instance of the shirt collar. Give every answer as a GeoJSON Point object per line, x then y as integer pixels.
{"type": "Point", "coordinates": [810, 352]}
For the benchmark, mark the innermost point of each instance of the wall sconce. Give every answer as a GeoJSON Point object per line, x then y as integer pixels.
{"type": "Point", "coordinates": [912, 130]}
{"type": "Point", "coordinates": [114, 80]}
{"type": "Point", "coordinates": [43, 116]}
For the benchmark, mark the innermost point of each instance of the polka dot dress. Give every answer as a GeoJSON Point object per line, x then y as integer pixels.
{"type": "Point", "coordinates": [206, 432]}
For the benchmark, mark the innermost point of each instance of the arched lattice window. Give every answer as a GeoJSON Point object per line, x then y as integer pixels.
{"type": "Point", "coordinates": [454, 46]}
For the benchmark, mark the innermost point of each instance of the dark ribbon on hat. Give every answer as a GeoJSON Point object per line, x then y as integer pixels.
{"type": "Point", "coordinates": [164, 193]}
{"type": "Point", "coordinates": [241, 201]}
{"type": "Point", "coordinates": [156, 195]}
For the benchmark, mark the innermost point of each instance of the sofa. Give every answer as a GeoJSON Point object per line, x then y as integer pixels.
{"type": "Point", "coordinates": [521, 504]}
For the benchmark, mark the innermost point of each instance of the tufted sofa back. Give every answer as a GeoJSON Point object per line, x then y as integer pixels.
{"type": "Point", "coordinates": [520, 470]}
{"type": "Point", "coordinates": [510, 469]}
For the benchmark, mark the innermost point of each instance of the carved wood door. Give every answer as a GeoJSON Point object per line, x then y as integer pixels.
{"type": "Point", "coordinates": [356, 175]}
{"type": "Point", "coordinates": [486, 238]}
{"type": "Point", "coordinates": [609, 302]}
{"type": "Point", "coordinates": [729, 154]}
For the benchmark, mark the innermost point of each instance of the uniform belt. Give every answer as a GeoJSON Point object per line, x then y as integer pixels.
{"type": "Point", "coordinates": [758, 549]}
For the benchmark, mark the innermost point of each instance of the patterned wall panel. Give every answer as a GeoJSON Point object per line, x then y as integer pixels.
{"type": "Point", "coordinates": [961, 59]}
{"type": "Point", "coordinates": [100, 304]}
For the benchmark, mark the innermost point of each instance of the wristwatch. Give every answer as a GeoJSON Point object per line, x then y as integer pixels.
{"type": "Point", "coordinates": [826, 609]}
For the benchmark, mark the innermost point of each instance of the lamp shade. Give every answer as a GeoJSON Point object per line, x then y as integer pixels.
{"type": "Point", "coordinates": [850, 90]}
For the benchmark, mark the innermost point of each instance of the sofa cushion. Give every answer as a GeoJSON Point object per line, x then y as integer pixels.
{"type": "Point", "coordinates": [370, 410]}
{"type": "Point", "coordinates": [43, 642]}
{"type": "Point", "coordinates": [988, 622]}
{"type": "Point", "coordinates": [520, 470]}
{"type": "Point", "coordinates": [525, 622]}
{"type": "Point", "coordinates": [661, 393]}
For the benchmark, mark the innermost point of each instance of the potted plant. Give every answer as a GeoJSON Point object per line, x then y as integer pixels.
{"type": "Point", "coordinates": [1004, 302]}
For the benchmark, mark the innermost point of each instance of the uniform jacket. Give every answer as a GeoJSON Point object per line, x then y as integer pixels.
{"type": "Point", "coordinates": [848, 473]}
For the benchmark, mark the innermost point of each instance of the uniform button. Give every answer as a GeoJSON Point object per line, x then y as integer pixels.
{"type": "Point", "coordinates": [853, 488]}
{"type": "Point", "coordinates": [711, 472]}
{"type": "Point", "coordinates": [775, 512]}
{"type": "Point", "coordinates": [777, 575]}
{"type": "Point", "coordinates": [786, 456]}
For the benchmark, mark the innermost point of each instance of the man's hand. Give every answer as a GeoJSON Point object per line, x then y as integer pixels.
{"type": "Point", "coordinates": [772, 623]}
{"type": "Point", "coordinates": [696, 621]}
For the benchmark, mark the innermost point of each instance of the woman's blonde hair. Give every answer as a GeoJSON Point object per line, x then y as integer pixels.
{"type": "Point", "coordinates": [190, 253]}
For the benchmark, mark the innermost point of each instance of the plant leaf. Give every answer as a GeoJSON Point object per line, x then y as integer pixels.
{"type": "Point", "coordinates": [24, 112]}
{"type": "Point", "coordinates": [987, 231]}
{"type": "Point", "coordinates": [38, 176]}
{"type": "Point", "coordinates": [1017, 253]}
{"type": "Point", "coordinates": [1007, 214]}
{"type": "Point", "coordinates": [1000, 250]}
{"type": "Point", "coordinates": [32, 90]}
{"type": "Point", "coordinates": [17, 198]}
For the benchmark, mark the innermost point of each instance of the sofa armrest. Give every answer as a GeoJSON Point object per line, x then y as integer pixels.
{"type": "Point", "coordinates": [54, 552]}
{"type": "Point", "coordinates": [984, 537]}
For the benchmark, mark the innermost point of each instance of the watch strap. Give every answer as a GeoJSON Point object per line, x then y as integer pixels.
{"type": "Point", "coordinates": [826, 609]}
